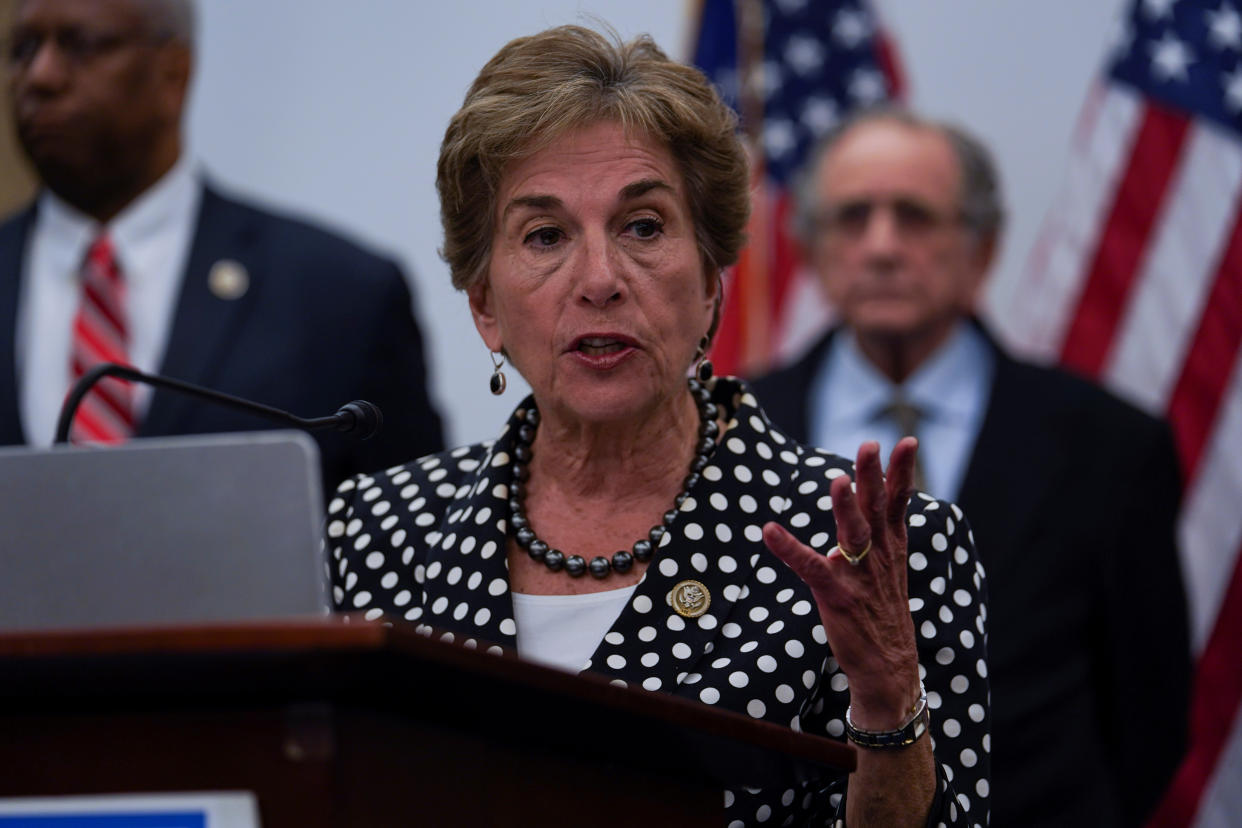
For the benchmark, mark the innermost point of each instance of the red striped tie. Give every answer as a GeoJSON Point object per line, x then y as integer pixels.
{"type": "Point", "coordinates": [106, 415]}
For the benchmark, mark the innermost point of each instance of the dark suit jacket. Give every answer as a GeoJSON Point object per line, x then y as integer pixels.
{"type": "Point", "coordinates": [322, 323]}
{"type": "Point", "coordinates": [1072, 495]}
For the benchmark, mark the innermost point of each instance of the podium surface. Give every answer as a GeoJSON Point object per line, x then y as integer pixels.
{"type": "Point", "coordinates": [337, 722]}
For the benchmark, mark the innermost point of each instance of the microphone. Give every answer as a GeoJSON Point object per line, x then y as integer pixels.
{"type": "Point", "coordinates": [359, 416]}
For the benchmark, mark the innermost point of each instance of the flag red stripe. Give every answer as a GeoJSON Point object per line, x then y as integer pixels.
{"type": "Point", "coordinates": [784, 265]}
{"type": "Point", "coordinates": [1214, 710]}
{"type": "Point", "coordinates": [890, 65]}
{"type": "Point", "coordinates": [751, 301]}
{"type": "Point", "coordinates": [1209, 363]}
{"type": "Point", "coordinates": [1136, 205]}
{"type": "Point", "coordinates": [1193, 407]}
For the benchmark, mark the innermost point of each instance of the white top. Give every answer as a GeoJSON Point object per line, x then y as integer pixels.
{"type": "Point", "coordinates": [151, 238]}
{"type": "Point", "coordinates": [951, 387]}
{"type": "Point", "coordinates": [563, 630]}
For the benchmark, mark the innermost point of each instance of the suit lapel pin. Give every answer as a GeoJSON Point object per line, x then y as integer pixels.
{"type": "Point", "coordinates": [690, 599]}
{"type": "Point", "coordinates": [228, 280]}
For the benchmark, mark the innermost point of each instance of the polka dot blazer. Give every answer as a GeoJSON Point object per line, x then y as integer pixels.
{"type": "Point", "coordinates": [426, 542]}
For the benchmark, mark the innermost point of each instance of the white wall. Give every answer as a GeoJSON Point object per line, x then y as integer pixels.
{"type": "Point", "coordinates": [336, 110]}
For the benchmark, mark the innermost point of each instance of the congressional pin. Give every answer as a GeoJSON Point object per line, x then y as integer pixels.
{"type": "Point", "coordinates": [690, 599]}
{"type": "Point", "coordinates": [228, 279]}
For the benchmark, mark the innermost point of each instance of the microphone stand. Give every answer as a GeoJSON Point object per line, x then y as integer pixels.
{"type": "Point", "coordinates": [358, 415]}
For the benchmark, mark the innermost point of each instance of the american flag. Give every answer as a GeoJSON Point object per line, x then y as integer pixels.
{"type": "Point", "coordinates": [791, 69]}
{"type": "Point", "coordinates": [1137, 281]}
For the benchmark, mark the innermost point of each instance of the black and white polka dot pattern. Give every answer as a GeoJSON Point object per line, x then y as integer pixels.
{"type": "Point", "coordinates": [426, 542]}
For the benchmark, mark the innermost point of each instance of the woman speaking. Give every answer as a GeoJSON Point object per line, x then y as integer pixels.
{"type": "Point", "coordinates": [636, 517]}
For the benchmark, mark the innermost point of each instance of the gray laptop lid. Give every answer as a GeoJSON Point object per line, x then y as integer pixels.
{"type": "Point", "coordinates": [165, 530]}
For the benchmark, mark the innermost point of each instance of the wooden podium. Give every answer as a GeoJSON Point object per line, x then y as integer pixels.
{"type": "Point", "coordinates": [337, 722]}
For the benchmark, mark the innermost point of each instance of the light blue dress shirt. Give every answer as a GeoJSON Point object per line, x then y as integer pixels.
{"type": "Point", "coordinates": [951, 388]}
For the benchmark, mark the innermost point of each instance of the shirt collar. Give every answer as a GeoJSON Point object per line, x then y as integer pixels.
{"type": "Point", "coordinates": [162, 206]}
{"type": "Point", "coordinates": [944, 386]}
{"type": "Point", "coordinates": [68, 232]}
{"type": "Point", "coordinates": [166, 203]}
{"type": "Point", "coordinates": [859, 388]}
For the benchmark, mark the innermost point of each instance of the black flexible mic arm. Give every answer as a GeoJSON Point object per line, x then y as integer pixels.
{"type": "Point", "coordinates": [359, 415]}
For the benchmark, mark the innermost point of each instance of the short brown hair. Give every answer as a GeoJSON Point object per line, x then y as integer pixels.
{"type": "Point", "coordinates": [537, 88]}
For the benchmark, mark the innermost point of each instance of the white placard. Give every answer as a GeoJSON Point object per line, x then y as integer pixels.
{"type": "Point", "coordinates": [223, 809]}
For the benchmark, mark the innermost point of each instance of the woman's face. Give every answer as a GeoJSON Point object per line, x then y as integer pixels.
{"type": "Point", "coordinates": [595, 287]}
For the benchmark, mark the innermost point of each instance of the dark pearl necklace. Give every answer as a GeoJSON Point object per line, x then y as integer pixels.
{"type": "Point", "coordinates": [622, 561]}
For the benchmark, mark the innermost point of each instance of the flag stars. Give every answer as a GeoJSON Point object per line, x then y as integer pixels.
{"type": "Point", "coordinates": [851, 27]}
{"type": "Point", "coordinates": [1170, 58]}
{"type": "Point", "coordinates": [1156, 9]}
{"type": "Point", "coordinates": [779, 139]}
{"type": "Point", "coordinates": [867, 87]}
{"type": "Point", "coordinates": [820, 115]}
{"type": "Point", "coordinates": [804, 54]}
{"type": "Point", "coordinates": [1225, 27]}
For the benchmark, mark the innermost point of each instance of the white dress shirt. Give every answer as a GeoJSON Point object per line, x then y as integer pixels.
{"type": "Point", "coordinates": [151, 238]}
{"type": "Point", "coordinates": [950, 388]}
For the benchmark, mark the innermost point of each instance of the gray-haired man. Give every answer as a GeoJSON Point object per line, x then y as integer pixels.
{"type": "Point", "coordinates": [1071, 493]}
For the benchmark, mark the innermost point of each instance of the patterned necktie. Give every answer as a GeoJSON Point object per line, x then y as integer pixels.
{"type": "Point", "coordinates": [106, 414]}
{"type": "Point", "coordinates": [907, 417]}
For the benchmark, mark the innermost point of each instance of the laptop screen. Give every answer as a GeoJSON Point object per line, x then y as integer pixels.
{"type": "Point", "coordinates": [163, 530]}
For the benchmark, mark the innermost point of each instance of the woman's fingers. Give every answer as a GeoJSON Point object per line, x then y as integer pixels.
{"type": "Point", "coordinates": [900, 480]}
{"type": "Point", "coordinates": [869, 476]}
{"type": "Point", "coordinates": [806, 563]}
{"type": "Point", "coordinates": [869, 513]}
{"type": "Point", "coordinates": [853, 530]}
{"type": "Point", "coordinates": [862, 513]}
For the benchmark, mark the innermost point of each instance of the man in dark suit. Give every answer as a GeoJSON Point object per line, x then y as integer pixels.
{"type": "Point", "coordinates": [212, 290]}
{"type": "Point", "coordinates": [1072, 494]}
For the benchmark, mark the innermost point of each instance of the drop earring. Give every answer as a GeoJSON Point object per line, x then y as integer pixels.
{"type": "Point", "coordinates": [703, 365]}
{"type": "Point", "coordinates": [497, 383]}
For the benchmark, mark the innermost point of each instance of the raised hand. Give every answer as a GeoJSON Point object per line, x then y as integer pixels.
{"type": "Point", "coordinates": [860, 586]}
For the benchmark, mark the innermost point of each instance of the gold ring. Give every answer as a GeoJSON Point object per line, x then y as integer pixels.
{"type": "Point", "coordinates": [854, 560]}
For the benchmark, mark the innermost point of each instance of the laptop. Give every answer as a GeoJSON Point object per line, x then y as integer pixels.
{"type": "Point", "coordinates": [162, 530]}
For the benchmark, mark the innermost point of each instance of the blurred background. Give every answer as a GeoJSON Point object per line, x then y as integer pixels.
{"type": "Point", "coordinates": [336, 110]}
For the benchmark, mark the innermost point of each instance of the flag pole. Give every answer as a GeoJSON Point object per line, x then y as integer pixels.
{"type": "Point", "coordinates": [753, 293]}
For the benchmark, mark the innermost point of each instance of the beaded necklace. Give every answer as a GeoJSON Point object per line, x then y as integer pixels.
{"type": "Point", "coordinates": [643, 548]}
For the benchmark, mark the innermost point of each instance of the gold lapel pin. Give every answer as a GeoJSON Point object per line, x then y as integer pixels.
{"type": "Point", "coordinates": [690, 599]}
{"type": "Point", "coordinates": [228, 279]}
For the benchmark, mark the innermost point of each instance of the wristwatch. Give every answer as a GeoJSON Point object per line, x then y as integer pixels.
{"type": "Point", "coordinates": [903, 736]}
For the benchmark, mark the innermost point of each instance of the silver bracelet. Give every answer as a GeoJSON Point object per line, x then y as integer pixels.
{"type": "Point", "coordinates": [904, 736]}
